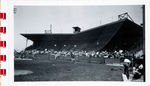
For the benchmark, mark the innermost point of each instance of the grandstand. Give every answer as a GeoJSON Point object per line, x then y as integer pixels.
{"type": "Point", "coordinates": [122, 34]}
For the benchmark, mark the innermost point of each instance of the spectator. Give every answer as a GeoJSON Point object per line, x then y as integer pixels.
{"type": "Point", "coordinates": [72, 57]}
{"type": "Point", "coordinates": [138, 71]}
{"type": "Point", "coordinates": [126, 67]}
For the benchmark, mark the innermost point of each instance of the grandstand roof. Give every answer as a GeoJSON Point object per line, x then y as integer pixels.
{"type": "Point", "coordinates": [101, 35]}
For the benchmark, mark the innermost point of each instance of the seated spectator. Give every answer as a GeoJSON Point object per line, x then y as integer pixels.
{"type": "Point", "coordinates": [138, 71]}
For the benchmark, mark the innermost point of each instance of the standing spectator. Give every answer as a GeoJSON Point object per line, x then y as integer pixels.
{"type": "Point", "coordinates": [126, 67]}
{"type": "Point", "coordinates": [57, 55]}
{"type": "Point", "coordinates": [72, 57]}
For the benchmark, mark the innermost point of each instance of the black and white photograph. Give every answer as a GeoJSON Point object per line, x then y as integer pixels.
{"type": "Point", "coordinates": [79, 43]}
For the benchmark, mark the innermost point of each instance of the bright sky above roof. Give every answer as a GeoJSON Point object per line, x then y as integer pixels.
{"type": "Point", "coordinates": [36, 19]}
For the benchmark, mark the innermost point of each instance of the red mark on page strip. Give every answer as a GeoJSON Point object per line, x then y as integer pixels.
{"type": "Point", "coordinates": [2, 29]}
{"type": "Point", "coordinates": [2, 57]}
{"type": "Point", "coordinates": [2, 43]}
{"type": "Point", "coordinates": [3, 72]}
{"type": "Point", "coordinates": [2, 15]}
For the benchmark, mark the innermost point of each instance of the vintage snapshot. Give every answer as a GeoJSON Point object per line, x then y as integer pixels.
{"type": "Point", "coordinates": [79, 43]}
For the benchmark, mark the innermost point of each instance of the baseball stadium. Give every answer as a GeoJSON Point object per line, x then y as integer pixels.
{"type": "Point", "coordinates": [96, 54]}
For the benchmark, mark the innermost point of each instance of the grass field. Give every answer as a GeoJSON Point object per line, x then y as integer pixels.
{"type": "Point", "coordinates": [67, 71]}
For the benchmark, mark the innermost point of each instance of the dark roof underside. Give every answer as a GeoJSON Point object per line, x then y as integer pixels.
{"type": "Point", "coordinates": [102, 35]}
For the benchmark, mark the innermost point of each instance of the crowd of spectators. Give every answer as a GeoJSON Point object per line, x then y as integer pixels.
{"type": "Point", "coordinates": [94, 54]}
{"type": "Point", "coordinates": [125, 57]}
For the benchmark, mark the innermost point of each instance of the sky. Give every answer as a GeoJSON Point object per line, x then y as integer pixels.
{"type": "Point", "coordinates": [36, 19]}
